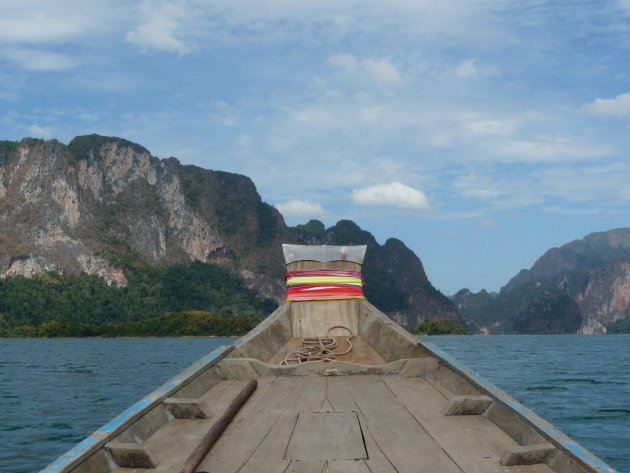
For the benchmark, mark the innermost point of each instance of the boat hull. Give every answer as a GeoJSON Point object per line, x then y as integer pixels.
{"type": "Point", "coordinates": [394, 404]}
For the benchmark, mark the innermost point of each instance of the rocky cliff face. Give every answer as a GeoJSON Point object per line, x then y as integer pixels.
{"type": "Point", "coordinates": [594, 272]}
{"type": "Point", "coordinates": [96, 204]}
{"type": "Point", "coordinates": [606, 298]}
{"type": "Point", "coordinates": [593, 251]}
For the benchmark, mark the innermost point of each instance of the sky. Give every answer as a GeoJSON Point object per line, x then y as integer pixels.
{"type": "Point", "coordinates": [479, 132]}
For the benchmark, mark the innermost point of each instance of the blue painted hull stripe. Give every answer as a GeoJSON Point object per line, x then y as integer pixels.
{"type": "Point", "coordinates": [570, 445]}
{"type": "Point", "coordinates": [101, 434]}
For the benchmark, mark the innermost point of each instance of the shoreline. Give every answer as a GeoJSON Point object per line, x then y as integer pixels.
{"type": "Point", "coordinates": [417, 335]}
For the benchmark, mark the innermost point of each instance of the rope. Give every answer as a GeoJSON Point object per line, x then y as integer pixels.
{"type": "Point", "coordinates": [318, 348]}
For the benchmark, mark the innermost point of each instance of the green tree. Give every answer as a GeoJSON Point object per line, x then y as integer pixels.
{"type": "Point", "coordinates": [439, 327]}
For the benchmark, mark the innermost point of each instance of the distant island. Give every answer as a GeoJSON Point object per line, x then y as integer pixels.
{"type": "Point", "coordinates": [439, 327]}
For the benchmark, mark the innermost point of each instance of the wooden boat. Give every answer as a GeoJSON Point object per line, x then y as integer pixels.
{"type": "Point", "coordinates": [393, 404]}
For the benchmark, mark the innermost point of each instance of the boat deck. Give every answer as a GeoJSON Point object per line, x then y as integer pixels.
{"type": "Point", "coordinates": [368, 424]}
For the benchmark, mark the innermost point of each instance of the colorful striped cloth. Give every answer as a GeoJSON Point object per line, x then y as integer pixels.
{"type": "Point", "coordinates": [323, 284]}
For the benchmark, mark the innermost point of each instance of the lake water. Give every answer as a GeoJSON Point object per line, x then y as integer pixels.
{"type": "Point", "coordinates": [53, 393]}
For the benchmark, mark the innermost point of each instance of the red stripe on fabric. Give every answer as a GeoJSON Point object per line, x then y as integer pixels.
{"type": "Point", "coordinates": [303, 298]}
{"type": "Point", "coordinates": [328, 291]}
{"type": "Point", "coordinates": [323, 291]}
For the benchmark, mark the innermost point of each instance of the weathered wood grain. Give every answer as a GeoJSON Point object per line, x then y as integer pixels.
{"type": "Point", "coordinates": [254, 424]}
{"type": "Point", "coordinates": [314, 318]}
{"type": "Point", "coordinates": [473, 442]}
{"type": "Point", "coordinates": [326, 436]}
{"type": "Point", "coordinates": [305, 466]}
{"type": "Point", "coordinates": [347, 466]}
{"type": "Point", "coordinates": [398, 436]}
{"type": "Point", "coordinates": [219, 426]}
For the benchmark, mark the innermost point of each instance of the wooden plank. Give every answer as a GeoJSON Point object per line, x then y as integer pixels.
{"type": "Point", "coordinates": [326, 406]}
{"type": "Point", "coordinates": [314, 318]}
{"type": "Point", "coordinates": [218, 392]}
{"type": "Point", "coordinates": [528, 454]}
{"type": "Point", "coordinates": [184, 408]}
{"type": "Point", "coordinates": [131, 455]}
{"type": "Point", "coordinates": [341, 399]}
{"type": "Point", "coordinates": [176, 440]}
{"type": "Point", "coordinates": [347, 466]}
{"type": "Point", "coordinates": [269, 456]}
{"type": "Point", "coordinates": [396, 434]}
{"type": "Point", "coordinates": [361, 351]}
{"type": "Point", "coordinates": [305, 466]}
{"type": "Point", "coordinates": [473, 442]}
{"type": "Point", "coordinates": [219, 426]}
{"type": "Point", "coordinates": [467, 405]}
{"type": "Point", "coordinates": [377, 462]}
{"type": "Point", "coordinates": [326, 436]}
{"type": "Point", "coordinates": [248, 432]}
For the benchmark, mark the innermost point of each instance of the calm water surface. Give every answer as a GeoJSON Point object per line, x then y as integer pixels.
{"type": "Point", "coordinates": [53, 393]}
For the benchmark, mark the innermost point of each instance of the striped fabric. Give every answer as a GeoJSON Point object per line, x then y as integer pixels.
{"type": "Point", "coordinates": [323, 284]}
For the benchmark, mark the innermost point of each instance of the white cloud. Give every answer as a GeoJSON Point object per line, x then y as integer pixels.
{"type": "Point", "coordinates": [624, 5]}
{"type": "Point", "coordinates": [37, 131]}
{"type": "Point", "coordinates": [477, 187]}
{"type": "Point", "coordinates": [393, 194]}
{"type": "Point", "coordinates": [88, 117]}
{"type": "Point", "coordinates": [617, 107]}
{"type": "Point", "coordinates": [551, 148]}
{"type": "Point", "coordinates": [38, 26]}
{"type": "Point", "coordinates": [573, 211]}
{"type": "Point", "coordinates": [300, 208]}
{"type": "Point", "coordinates": [467, 69]}
{"type": "Point", "coordinates": [383, 72]}
{"type": "Point", "coordinates": [607, 183]}
{"type": "Point", "coordinates": [244, 140]}
{"type": "Point", "coordinates": [489, 127]}
{"type": "Point", "coordinates": [51, 23]}
{"type": "Point", "coordinates": [347, 62]}
{"type": "Point", "coordinates": [486, 222]}
{"type": "Point", "coordinates": [40, 60]}
{"type": "Point", "coordinates": [162, 27]}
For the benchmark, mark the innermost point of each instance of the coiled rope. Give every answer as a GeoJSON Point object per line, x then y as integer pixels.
{"type": "Point", "coordinates": [318, 348]}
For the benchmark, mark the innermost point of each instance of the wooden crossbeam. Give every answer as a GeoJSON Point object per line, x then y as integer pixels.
{"type": "Point", "coordinates": [183, 408]}
{"type": "Point", "coordinates": [131, 455]}
{"type": "Point", "coordinates": [528, 454]}
{"type": "Point", "coordinates": [467, 405]}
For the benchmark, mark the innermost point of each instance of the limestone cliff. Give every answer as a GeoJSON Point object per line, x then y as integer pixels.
{"type": "Point", "coordinates": [95, 204]}
{"type": "Point", "coordinates": [593, 251]}
{"type": "Point", "coordinates": [606, 298]}
{"type": "Point", "coordinates": [594, 272]}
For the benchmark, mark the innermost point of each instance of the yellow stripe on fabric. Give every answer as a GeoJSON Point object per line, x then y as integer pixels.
{"type": "Point", "coordinates": [324, 280]}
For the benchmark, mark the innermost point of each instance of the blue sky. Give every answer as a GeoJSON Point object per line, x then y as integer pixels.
{"type": "Point", "coordinates": [479, 132]}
